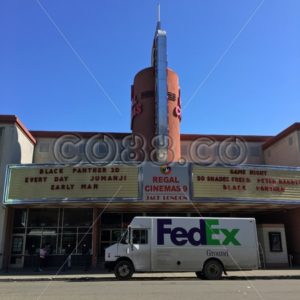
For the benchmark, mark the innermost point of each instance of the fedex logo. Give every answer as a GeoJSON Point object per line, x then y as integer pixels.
{"type": "Point", "coordinates": [205, 234]}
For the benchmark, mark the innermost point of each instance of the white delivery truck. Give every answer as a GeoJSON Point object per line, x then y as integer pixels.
{"type": "Point", "coordinates": [207, 246]}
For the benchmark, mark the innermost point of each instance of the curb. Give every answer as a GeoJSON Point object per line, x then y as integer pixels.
{"type": "Point", "coordinates": [154, 278]}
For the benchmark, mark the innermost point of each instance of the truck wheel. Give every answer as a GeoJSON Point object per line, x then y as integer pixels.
{"type": "Point", "coordinates": [123, 270]}
{"type": "Point", "coordinates": [212, 270]}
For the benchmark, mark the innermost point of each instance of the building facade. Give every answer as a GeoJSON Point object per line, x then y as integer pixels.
{"type": "Point", "coordinates": [69, 188]}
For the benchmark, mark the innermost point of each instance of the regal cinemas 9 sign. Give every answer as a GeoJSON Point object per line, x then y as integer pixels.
{"type": "Point", "coordinates": [166, 183]}
{"type": "Point", "coordinates": [245, 183]}
{"type": "Point", "coordinates": [78, 183]}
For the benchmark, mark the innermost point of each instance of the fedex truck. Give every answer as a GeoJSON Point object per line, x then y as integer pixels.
{"type": "Point", "coordinates": [207, 246]}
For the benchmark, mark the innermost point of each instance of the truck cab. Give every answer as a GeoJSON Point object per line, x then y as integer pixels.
{"type": "Point", "coordinates": [132, 253]}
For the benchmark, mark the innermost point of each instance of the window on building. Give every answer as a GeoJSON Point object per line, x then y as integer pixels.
{"type": "Point", "coordinates": [40, 217]}
{"type": "Point", "coordinates": [76, 229]}
{"type": "Point", "coordinates": [106, 235]}
{"type": "Point", "coordinates": [275, 242]}
{"type": "Point", "coordinates": [84, 239]}
{"type": "Point", "coordinates": [36, 237]}
{"type": "Point", "coordinates": [255, 151]}
{"type": "Point", "coordinates": [44, 147]}
{"type": "Point", "coordinates": [55, 228]}
{"type": "Point", "coordinates": [20, 217]}
{"type": "Point", "coordinates": [116, 235]}
{"type": "Point", "coordinates": [68, 150]}
{"type": "Point", "coordinates": [112, 220]}
{"type": "Point", "coordinates": [41, 229]}
{"type": "Point", "coordinates": [17, 245]}
{"type": "Point", "coordinates": [68, 239]}
{"type": "Point", "coordinates": [290, 141]}
{"type": "Point", "coordinates": [33, 244]}
{"type": "Point", "coordinates": [127, 218]}
{"type": "Point", "coordinates": [74, 217]}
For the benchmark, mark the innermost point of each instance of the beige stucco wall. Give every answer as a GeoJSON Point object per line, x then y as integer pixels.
{"type": "Point", "coordinates": [27, 147]}
{"type": "Point", "coordinates": [221, 152]}
{"type": "Point", "coordinates": [71, 149]}
{"type": "Point", "coordinates": [15, 148]}
{"type": "Point", "coordinates": [47, 151]}
{"type": "Point", "coordinates": [41, 154]}
{"type": "Point", "coordinates": [285, 152]}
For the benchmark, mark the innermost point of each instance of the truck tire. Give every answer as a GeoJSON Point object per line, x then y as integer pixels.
{"type": "Point", "coordinates": [212, 270]}
{"type": "Point", "coordinates": [123, 270]}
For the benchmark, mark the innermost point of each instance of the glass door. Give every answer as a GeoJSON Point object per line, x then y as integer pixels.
{"type": "Point", "coordinates": [17, 251]}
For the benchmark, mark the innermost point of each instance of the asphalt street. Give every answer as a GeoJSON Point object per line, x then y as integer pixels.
{"type": "Point", "coordinates": [152, 289]}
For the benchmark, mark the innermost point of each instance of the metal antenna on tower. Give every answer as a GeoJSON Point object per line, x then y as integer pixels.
{"type": "Point", "coordinates": [158, 16]}
{"type": "Point", "coordinates": [158, 13]}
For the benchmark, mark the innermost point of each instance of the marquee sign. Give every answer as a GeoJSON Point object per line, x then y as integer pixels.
{"type": "Point", "coordinates": [149, 183]}
{"type": "Point", "coordinates": [166, 183]}
{"type": "Point", "coordinates": [246, 183]}
{"type": "Point", "coordinates": [78, 183]}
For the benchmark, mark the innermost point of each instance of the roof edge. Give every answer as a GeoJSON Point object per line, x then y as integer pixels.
{"type": "Point", "coordinates": [57, 134]}
{"type": "Point", "coordinates": [13, 119]}
{"type": "Point", "coordinates": [281, 135]}
{"type": "Point", "coordinates": [220, 137]}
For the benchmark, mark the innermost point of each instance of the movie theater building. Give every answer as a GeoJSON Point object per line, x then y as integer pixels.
{"type": "Point", "coordinates": [61, 188]}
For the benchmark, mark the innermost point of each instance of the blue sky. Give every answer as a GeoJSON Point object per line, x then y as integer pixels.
{"type": "Point", "coordinates": [67, 65]}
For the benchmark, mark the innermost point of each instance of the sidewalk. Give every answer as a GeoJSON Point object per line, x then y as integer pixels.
{"type": "Point", "coordinates": [100, 275]}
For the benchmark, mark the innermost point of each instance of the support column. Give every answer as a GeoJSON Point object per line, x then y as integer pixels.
{"type": "Point", "coordinates": [8, 237]}
{"type": "Point", "coordinates": [95, 236]}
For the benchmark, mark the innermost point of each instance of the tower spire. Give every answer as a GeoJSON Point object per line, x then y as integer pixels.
{"type": "Point", "coordinates": [158, 16]}
{"type": "Point", "coordinates": [158, 121]}
{"type": "Point", "coordinates": [159, 63]}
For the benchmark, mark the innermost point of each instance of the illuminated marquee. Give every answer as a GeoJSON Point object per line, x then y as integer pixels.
{"type": "Point", "coordinates": [166, 183]}
{"type": "Point", "coordinates": [78, 183]}
{"type": "Point", "coordinates": [246, 183]}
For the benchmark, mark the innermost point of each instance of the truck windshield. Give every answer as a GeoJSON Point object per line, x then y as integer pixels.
{"type": "Point", "coordinates": [124, 238]}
